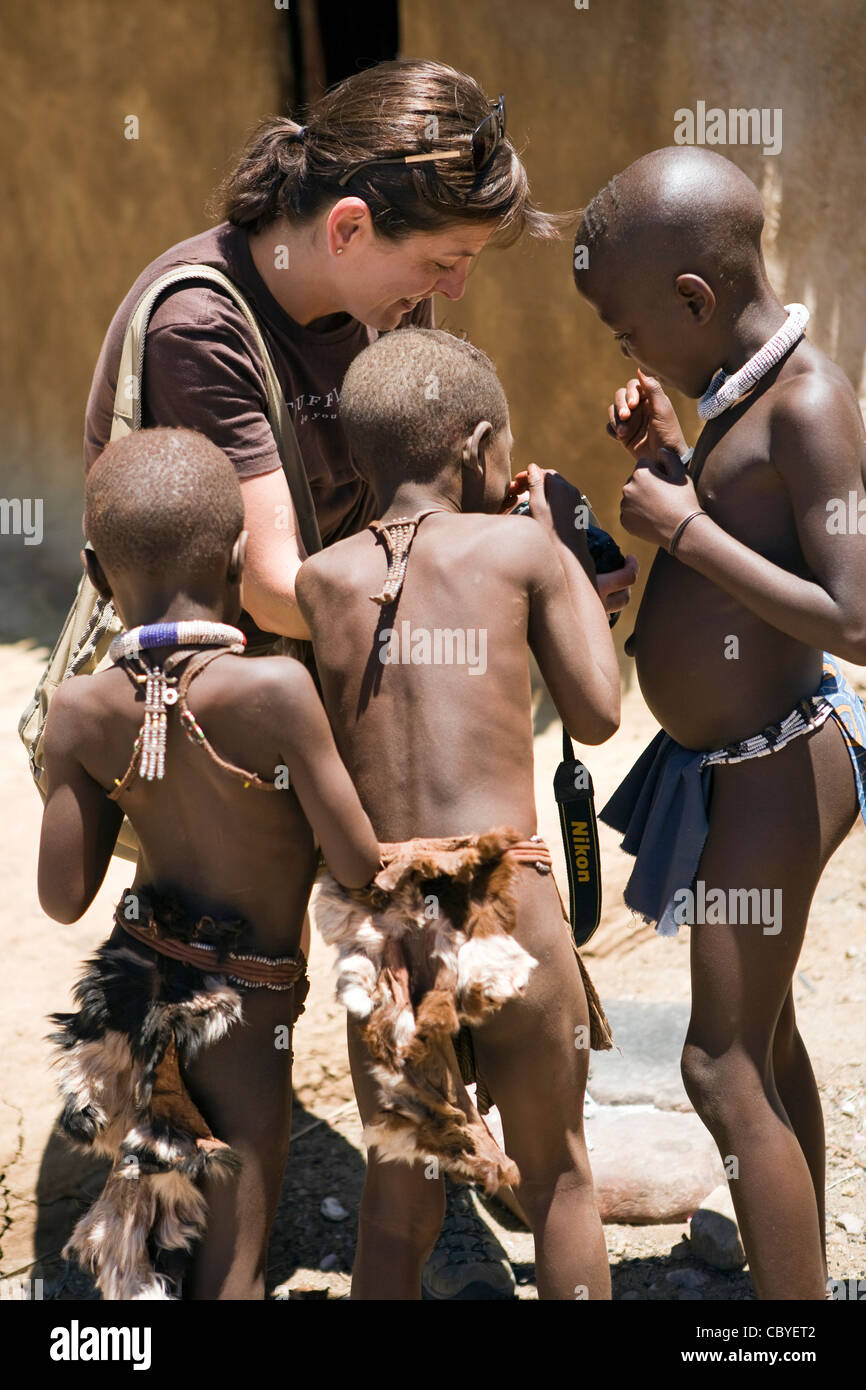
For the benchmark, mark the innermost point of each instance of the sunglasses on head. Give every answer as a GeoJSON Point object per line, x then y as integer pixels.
{"type": "Point", "coordinates": [485, 139]}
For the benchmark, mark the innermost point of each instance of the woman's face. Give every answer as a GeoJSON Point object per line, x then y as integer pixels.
{"type": "Point", "coordinates": [381, 280]}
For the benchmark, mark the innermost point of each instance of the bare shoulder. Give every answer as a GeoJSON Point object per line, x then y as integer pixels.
{"type": "Point", "coordinates": [287, 707]}
{"type": "Point", "coordinates": [817, 439]}
{"type": "Point", "coordinates": [277, 683]}
{"type": "Point", "coordinates": [69, 709]}
{"type": "Point", "coordinates": [817, 397]}
{"type": "Point", "coordinates": [515, 545]}
{"type": "Point", "coordinates": [78, 710]}
{"type": "Point", "coordinates": [332, 569]}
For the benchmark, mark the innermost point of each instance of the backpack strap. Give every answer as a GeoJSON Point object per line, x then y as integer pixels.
{"type": "Point", "coordinates": [128, 395]}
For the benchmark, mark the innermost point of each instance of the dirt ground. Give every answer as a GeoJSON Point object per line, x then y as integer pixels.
{"type": "Point", "coordinates": [43, 1187]}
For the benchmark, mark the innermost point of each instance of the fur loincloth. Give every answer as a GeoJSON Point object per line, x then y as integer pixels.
{"type": "Point", "coordinates": [426, 949]}
{"type": "Point", "coordinates": [142, 1019]}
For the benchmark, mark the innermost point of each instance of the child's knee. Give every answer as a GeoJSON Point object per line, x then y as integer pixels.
{"type": "Point", "coordinates": [712, 1083]}
{"type": "Point", "coordinates": [404, 1206]}
{"type": "Point", "coordinates": [540, 1188]}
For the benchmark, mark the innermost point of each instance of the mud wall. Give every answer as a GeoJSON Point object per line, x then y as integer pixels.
{"type": "Point", "coordinates": [85, 208]}
{"type": "Point", "coordinates": [588, 90]}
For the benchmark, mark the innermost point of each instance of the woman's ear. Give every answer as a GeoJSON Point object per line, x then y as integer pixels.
{"type": "Point", "coordinates": [697, 297]}
{"type": "Point", "coordinates": [95, 573]}
{"type": "Point", "coordinates": [237, 558]}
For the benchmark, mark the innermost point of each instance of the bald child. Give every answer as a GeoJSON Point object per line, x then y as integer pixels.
{"type": "Point", "coordinates": [737, 805]}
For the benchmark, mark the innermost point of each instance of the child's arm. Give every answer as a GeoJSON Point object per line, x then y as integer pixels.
{"type": "Point", "coordinates": [568, 627]}
{"type": "Point", "coordinates": [614, 586]}
{"type": "Point", "coordinates": [322, 784]}
{"type": "Point", "coordinates": [79, 823]}
{"type": "Point", "coordinates": [817, 448]}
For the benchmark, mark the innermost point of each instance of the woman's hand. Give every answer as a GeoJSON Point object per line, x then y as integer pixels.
{"type": "Point", "coordinates": [643, 420]}
{"type": "Point", "coordinates": [657, 497]}
{"type": "Point", "coordinates": [614, 587]}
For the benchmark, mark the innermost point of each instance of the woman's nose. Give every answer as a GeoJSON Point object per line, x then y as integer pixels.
{"type": "Point", "coordinates": [453, 284]}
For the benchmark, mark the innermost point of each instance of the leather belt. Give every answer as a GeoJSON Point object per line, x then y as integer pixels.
{"type": "Point", "coordinates": [272, 972]}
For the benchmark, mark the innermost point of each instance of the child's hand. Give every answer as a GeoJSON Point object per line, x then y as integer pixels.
{"type": "Point", "coordinates": [554, 501]}
{"type": "Point", "coordinates": [657, 497]}
{"type": "Point", "coordinates": [558, 505]}
{"type": "Point", "coordinates": [643, 420]}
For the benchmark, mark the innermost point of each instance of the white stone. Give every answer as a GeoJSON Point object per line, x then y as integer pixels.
{"type": "Point", "coordinates": [332, 1210]}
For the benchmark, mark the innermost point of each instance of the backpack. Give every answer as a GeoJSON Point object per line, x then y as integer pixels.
{"type": "Point", "coordinates": [91, 622]}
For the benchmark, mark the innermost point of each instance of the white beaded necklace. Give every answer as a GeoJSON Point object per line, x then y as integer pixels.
{"type": "Point", "coordinates": [724, 390]}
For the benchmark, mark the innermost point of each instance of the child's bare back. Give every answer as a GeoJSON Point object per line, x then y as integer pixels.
{"type": "Point", "coordinates": [431, 701]}
{"type": "Point", "coordinates": [214, 837]}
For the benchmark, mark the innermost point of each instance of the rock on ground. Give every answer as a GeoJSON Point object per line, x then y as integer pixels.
{"type": "Point", "coordinates": [650, 1165]}
{"type": "Point", "coordinates": [713, 1233]}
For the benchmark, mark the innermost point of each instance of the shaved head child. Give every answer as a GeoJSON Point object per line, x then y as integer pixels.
{"type": "Point", "coordinates": [756, 778]}
{"type": "Point", "coordinates": [177, 1063]}
{"type": "Point", "coordinates": [421, 626]}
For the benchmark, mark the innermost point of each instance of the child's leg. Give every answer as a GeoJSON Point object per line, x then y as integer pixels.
{"type": "Point", "coordinates": [243, 1086]}
{"type": "Point", "coordinates": [798, 1092]}
{"type": "Point", "coordinates": [534, 1056]}
{"type": "Point", "coordinates": [401, 1209]}
{"type": "Point", "coordinates": [774, 822]}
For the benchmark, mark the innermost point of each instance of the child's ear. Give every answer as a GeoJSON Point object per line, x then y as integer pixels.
{"type": "Point", "coordinates": [238, 558]}
{"type": "Point", "coordinates": [95, 573]}
{"type": "Point", "coordinates": [473, 446]}
{"type": "Point", "coordinates": [697, 296]}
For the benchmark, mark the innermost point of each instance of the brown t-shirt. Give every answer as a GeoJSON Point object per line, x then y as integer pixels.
{"type": "Point", "coordinates": [202, 371]}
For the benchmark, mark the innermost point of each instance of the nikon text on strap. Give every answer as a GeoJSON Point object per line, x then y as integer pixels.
{"type": "Point", "coordinates": [572, 787]}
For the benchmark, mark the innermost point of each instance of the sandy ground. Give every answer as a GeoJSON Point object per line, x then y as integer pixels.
{"type": "Point", "coordinates": [43, 1187]}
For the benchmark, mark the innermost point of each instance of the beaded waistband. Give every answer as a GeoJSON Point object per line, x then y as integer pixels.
{"type": "Point", "coordinates": [809, 715]}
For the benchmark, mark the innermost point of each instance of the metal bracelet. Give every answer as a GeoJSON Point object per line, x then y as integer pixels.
{"type": "Point", "coordinates": [675, 538]}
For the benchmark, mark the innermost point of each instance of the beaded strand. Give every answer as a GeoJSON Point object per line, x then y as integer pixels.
{"type": "Point", "coordinates": [724, 390]}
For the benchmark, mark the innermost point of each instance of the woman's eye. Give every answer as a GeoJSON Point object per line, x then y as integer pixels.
{"type": "Point", "coordinates": [441, 267]}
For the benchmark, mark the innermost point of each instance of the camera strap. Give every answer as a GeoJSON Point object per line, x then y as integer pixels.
{"type": "Point", "coordinates": [573, 790]}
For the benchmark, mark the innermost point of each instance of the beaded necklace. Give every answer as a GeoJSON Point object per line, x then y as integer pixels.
{"type": "Point", "coordinates": [397, 536]}
{"type": "Point", "coordinates": [160, 691]}
{"type": "Point", "coordinates": [724, 390]}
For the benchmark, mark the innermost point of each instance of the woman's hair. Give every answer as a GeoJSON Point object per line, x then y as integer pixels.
{"type": "Point", "coordinates": [392, 109]}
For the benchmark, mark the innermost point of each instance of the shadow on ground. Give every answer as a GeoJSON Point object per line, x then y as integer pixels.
{"type": "Point", "coordinates": [322, 1164]}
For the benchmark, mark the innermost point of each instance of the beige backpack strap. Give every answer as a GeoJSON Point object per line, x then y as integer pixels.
{"type": "Point", "coordinates": [128, 396]}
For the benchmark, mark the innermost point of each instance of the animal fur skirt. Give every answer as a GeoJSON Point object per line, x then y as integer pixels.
{"type": "Point", "coordinates": [142, 1019]}
{"type": "Point", "coordinates": [427, 948]}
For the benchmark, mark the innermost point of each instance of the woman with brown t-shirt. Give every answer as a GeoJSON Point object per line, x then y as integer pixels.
{"type": "Point", "coordinates": [334, 231]}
